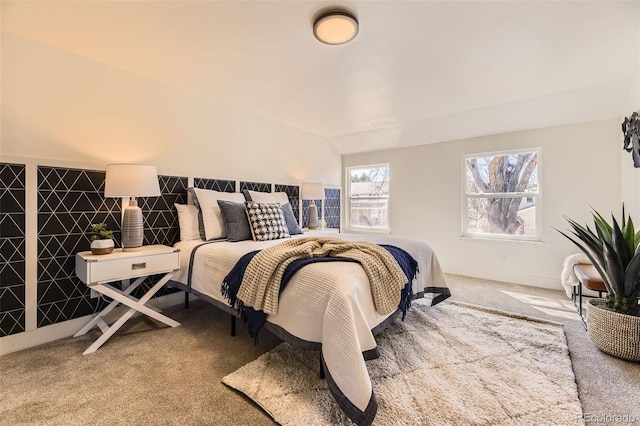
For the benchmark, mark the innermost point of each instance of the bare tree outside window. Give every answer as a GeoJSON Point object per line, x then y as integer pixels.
{"type": "Point", "coordinates": [502, 194]}
{"type": "Point", "coordinates": [368, 197]}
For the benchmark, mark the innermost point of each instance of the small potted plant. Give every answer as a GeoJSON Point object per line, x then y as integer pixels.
{"type": "Point", "coordinates": [614, 250]}
{"type": "Point", "coordinates": [102, 239]}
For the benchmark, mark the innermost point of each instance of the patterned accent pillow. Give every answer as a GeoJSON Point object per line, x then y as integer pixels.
{"type": "Point", "coordinates": [267, 221]}
{"type": "Point", "coordinates": [276, 197]}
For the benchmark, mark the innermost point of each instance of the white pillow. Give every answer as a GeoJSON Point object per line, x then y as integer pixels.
{"type": "Point", "coordinates": [269, 197]}
{"type": "Point", "coordinates": [211, 214]}
{"type": "Point", "coordinates": [188, 220]}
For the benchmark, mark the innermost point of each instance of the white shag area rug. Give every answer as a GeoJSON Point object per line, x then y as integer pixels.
{"type": "Point", "coordinates": [452, 364]}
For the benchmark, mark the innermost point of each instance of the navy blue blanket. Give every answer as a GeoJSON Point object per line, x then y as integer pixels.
{"type": "Point", "coordinates": [254, 320]}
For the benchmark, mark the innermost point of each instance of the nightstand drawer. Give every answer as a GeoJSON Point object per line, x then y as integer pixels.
{"type": "Point", "coordinates": [123, 267]}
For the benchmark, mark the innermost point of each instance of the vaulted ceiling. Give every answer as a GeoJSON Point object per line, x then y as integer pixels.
{"type": "Point", "coordinates": [418, 71]}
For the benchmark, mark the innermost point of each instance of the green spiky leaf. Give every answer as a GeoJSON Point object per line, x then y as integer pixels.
{"type": "Point", "coordinates": [614, 250]}
{"type": "Point", "coordinates": [632, 277]}
{"type": "Point", "coordinates": [603, 226]}
{"type": "Point", "coordinates": [591, 255]}
{"type": "Point", "coordinates": [628, 232]}
{"type": "Point", "coordinates": [619, 244]}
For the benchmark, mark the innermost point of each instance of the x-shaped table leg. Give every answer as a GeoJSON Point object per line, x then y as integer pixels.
{"type": "Point", "coordinates": [135, 305]}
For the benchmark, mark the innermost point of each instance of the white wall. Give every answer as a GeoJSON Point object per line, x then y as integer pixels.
{"type": "Point", "coordinates": [62, 107]}
{"type": "Point", "coordinates": [580, 167]}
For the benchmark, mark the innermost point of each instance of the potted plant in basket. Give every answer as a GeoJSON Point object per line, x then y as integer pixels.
{"type": "Point", "coordinates": [102, 239]}
{"type": "Point", "coordinates": [614, 250]}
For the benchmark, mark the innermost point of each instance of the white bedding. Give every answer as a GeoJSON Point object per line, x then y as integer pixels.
{"type": "Point", "coordinates": [327, 303]}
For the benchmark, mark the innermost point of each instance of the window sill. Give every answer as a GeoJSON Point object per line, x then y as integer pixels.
{"type": "Point", "coordinates": [533, 240]}
{"type": "Point", "coordinates": [367, 231]}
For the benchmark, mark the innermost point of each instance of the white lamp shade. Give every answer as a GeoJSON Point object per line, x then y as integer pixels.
{"type": "Point", "coordinates": [131, 180]}
{"type": "Point", "coordinates": [312, 191]}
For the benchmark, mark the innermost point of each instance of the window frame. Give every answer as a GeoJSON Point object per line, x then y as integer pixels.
{"type": "Point", "coordinates": [465, 233]}
{"type": "Point", "coordinates": [348, 199]}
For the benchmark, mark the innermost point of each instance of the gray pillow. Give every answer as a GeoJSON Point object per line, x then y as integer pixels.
{"type": "Point", "coordinates": [235, 221]}
{"type": "Point", "coordinates": [194, 197]}
{"type": "Point", "coordinates": [290, 219]}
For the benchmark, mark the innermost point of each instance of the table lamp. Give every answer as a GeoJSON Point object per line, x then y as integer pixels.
{"type": "Point", "coordinates": [131, 181]}
{"type": "Point", "coordinates": [312, 191]}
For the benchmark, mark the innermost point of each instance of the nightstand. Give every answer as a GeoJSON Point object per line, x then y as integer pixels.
{"type": "Point", "coordinates": [97, 271]}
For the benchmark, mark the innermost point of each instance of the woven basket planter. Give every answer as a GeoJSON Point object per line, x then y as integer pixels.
{"type": "Point", "coordinates": [614, 333]}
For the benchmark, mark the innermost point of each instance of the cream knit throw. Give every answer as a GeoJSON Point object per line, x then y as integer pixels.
{"type": "Point", "coordinates": [260, 286]}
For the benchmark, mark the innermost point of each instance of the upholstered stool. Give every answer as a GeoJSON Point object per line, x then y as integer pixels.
{"type": "Point", "coordinates": [590, 278]}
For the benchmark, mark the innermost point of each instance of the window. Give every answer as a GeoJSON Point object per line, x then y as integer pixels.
{"type": "Point", "coordinates": [368, 197]}
{"type": "Point", "coordinates": [502, 195]}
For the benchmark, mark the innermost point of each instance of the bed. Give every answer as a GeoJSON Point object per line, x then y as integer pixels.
{"type": "Point", "coordinates": [325, 306]}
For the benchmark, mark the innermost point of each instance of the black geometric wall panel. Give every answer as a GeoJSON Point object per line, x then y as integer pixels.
{"type": "Point", "coordinates": [293, 192]}
{"type": "Point", "coordinates": [304, 223]}
{"type": "Point", "coordinates": [160, 215]}
{"type": "Point", "coordinates": [332, 207]}
{"type": "Point", "coordinates": [69, 201]}
{"type": "Point", "coordinates": [219, 185]}
{"type": "Point", "coordinates": [12, 250]}
{"type": "Point", "coordinates": [255, 186]}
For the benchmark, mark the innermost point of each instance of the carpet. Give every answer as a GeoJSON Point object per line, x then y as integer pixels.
{"type": "Point", "coordinates": [450, 364]}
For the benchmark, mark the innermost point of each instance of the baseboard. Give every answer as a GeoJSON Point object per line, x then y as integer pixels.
{"type": "Point", "coordinates": [509, 277]}
{"type": "Point", "coordinates": [49, 333]}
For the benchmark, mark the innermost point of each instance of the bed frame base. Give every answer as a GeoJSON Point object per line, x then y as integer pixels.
{"type": "Point", "coordinates": [279, 331]}
{"type": "Point", "coordinates": [322, 375]}
{"type": "Point", "coordinates": [186, 306]}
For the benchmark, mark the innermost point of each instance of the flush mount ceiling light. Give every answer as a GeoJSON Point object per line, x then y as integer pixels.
{"type": "Point", "coordinates": [335, 27]}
